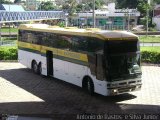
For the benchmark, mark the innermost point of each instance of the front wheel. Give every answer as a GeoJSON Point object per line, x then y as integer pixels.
{"type": "Point", "coordinates": [90, 86]}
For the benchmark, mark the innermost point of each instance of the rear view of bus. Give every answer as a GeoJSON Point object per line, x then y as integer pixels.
{"type": "Point", "coordinates": [122, 60]}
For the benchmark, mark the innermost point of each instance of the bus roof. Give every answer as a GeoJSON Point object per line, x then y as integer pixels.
{"type": "Point", "coordinates": [92, 32]}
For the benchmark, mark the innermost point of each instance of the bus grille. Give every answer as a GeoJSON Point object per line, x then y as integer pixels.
{"type": "Point", "coordinates": [121, 90]}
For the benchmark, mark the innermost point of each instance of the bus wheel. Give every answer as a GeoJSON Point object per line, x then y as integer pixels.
{"type": "Point", "coordinates": [39, 68]}
{"type": "Point", "coordinates": [35, 67]}
{"type": "Point", "coordinates": [89, 86]}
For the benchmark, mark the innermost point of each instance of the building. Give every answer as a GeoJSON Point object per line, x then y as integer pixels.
{"type": "Point", "coordinates": [156, 16]}
{"type": "Point", "coordinates": [108, 18]}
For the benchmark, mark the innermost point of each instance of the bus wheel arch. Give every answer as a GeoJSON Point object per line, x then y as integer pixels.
{"type": "Point", "coordinates": [88, 85]}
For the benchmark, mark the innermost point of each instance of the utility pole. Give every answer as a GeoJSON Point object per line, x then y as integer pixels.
{"type": "Point", "coordinates": [94, 21]}
{"type": "Point", "coordinates": [148, 1]}
{"type": "Point", "coordinates": [128, 13]}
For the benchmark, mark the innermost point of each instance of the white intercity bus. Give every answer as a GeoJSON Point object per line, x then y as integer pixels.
{"type": "Point", "coordinates": [103, 62]}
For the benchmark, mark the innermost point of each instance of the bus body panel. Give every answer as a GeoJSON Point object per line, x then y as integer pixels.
{"type": "Point", "coordinates": [63, 70]}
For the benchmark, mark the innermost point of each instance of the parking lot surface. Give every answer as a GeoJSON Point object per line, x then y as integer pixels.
{"type": "Point", "coordinates": [23, 92]}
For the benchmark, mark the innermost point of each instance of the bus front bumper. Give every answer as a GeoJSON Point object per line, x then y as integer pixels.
{"type": "Point", "coordinates": [121, 90]}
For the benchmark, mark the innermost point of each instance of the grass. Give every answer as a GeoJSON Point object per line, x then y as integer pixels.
{"type": "Point", "coordinates": [8, 38]}
{"type": "Point", "coordinates": [8, 47]}
{"type": "Point", "coordinates": [6, 30]}
{"type": "Point", "coordinates": [155, 39]}
{"type": "Point", "coordinates": [154, 49]}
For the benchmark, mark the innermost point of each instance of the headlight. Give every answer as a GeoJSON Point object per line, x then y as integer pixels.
{"type": "Point", "coordinates": [114, 90]}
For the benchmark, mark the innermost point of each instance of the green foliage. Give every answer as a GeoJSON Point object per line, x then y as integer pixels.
{"type": "Point", "coordinates": [17, 1]}
{"type": "Point", "coordinates": [47, 6]}
{"type": "Point", "coordinates": [150, 48]}
{"type": "Point", "coordinates": [157, 1]}
{"type": "Point", "coordinates": [152, 29]}
{"type": "Point", "coordinates": [98, 4]}
{"type": "Point", "coordinates": [70, 6]}
{"type": "Point", "coordinates": [6, 29]}
{"type": "Point", "coordinates": [8, 53]}
{"type": "Point", "coordinates": [150, 54]}
{"type": "Point", "coordinates": [143, 6]}
{"type": "Point", "coordinates": [150, 39]}
{"type": "Point", "coordinates": [61, 24]}
{"type": "Point", "coordinates": [127, 3]}
{"type": "Point", "coordinates": [5, 2]}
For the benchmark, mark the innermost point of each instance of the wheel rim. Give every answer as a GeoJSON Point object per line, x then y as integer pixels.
{"type": "Point", "coordinates": [35, 67]}
{"type": "Point", "coordinates": [88, 86]}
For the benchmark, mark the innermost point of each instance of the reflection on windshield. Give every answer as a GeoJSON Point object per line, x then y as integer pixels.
{"type": "Point", "coordinates": [122, 65]}
{"type": "Point", "coordinates": [123, 58]}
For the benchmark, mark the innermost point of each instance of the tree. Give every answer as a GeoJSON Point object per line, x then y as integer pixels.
{"type": "Point", "coordinates": [156, 1]}
{"type": "Point", "coordinates": [98, 4]}
{"type": "Point", "coordinates": [5, 2]}
{"type": "Point", "coordinates": [70, 6]}
{"type": "Point", "coordinates": [89, 5]}
{"type": "Point", "coordinates": [127, 3]}
{"type": "Point", "coordinates": [17, 1]}
{"type": "Point", "coordinates": [47, 6]}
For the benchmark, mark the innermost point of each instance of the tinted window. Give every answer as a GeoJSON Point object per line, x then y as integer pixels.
{"type": "Point", "coordinates": [63, 42]}
{"type": "Point", "coordinates": [31, 36]}
{"type": "Point", "coordinates": [79, 43]}
{"type": "Point", "coordinates": [49, 39]}
{"type": "Point", "coordinates": [23, 35]}
{"type": "Point", "coordinates": [68, 42]}
{"type": "Point", "coordinates": [122, 46]}
{"type": "Point", "coordinates": [86, 44]}
{"type": "Point", "coordinates": [95, 45]}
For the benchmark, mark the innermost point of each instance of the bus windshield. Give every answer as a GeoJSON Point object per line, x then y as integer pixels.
{"type": "Point", "coordinates": [123, 59]}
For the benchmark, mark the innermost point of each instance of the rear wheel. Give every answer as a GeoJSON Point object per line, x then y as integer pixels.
{"type": "Point", "coordinates": [39, 68]}
{"type": "Point", "coordinates": [35, 67]}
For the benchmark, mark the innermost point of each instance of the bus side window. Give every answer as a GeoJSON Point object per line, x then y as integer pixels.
{"type": "Point", "coordinates": [64, 42]}
{"type": "Point", "coordinates": [79, 44]}
{"type": "Point", "coordinates": [23, 35]}
{"type": "Point", "coordinates": [95, 45]}
{"type": "Point", "coordinates": [20, 35]}
{"type": "Point", "coordinates": [48, 41]}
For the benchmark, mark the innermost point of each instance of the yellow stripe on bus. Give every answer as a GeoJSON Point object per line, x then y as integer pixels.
{"type": "Point", "coordinates": [59, 52]}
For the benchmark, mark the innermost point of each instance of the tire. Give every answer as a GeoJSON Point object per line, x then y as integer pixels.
{"type": "Point", "coordinates": [90, 86]}
{"type": "Point", "coordinates": [35, 67]}
{"type": "Point", "coordinates": [40, 69]}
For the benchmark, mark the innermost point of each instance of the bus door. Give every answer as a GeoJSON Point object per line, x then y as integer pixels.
{"type": "Point", "coordinates": [49, 57]}
{"type": "Point", "coordinates": [99, 66]}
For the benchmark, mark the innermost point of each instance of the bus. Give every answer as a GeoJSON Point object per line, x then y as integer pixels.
{"type": "Point", "coordinates": [103, 62]}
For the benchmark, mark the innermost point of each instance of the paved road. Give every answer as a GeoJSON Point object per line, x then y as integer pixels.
{"type": "Point", "coordinates": [22, 92]}
{"type": "Point", "coordinates": [149, 44]}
